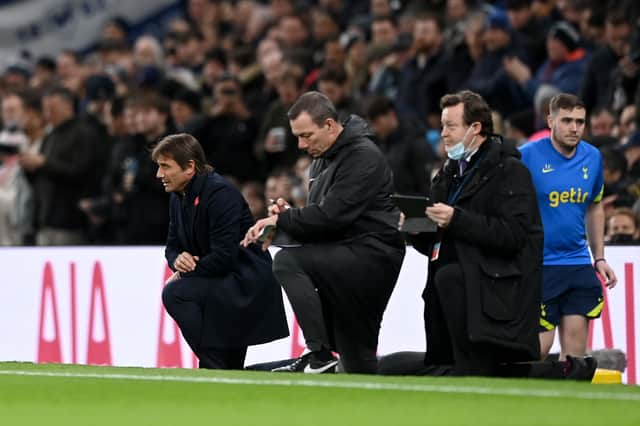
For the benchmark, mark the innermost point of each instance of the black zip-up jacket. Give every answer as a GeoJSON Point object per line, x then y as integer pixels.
{"type": "Point", "coordinates": [349, 188]}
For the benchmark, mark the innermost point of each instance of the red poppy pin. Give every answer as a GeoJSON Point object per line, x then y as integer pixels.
{"type": "Point", "coordinates": [196, 201]}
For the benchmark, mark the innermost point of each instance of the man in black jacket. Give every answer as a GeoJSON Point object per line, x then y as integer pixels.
{"type": "Point", "coordinates": [63, 172]}
{"type": "Point", "coordinates": [484, 284]}
{"type": "Point", "coordinates": [482, 298]}
{"type": "Point", "coordinates": [340, 277]}
{"type": "Point", "coordinates": [223, 296]}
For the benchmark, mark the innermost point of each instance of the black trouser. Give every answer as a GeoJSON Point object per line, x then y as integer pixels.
{"type": "Point", "coordinates": [412, 364]}
{"type": "Point", "coordinates": [470, 358]}
{"type": "Point", "coordinates": [328, 293]}
{"type": "Point", "coordinates": [184, 300]}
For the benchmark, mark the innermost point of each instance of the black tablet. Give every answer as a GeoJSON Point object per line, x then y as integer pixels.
{"type": "Point", "coordinates": [413, 207]}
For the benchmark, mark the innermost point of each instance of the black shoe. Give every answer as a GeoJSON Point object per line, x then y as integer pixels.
{"type": "Point", "coordinates": [296, 366]}
{"type": "Point", "coordinates": [321, 364]}
{"type": "Point", "coordinates": [581, 368]}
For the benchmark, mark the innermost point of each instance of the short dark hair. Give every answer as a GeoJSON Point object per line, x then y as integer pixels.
{"type": "Point", "coordinates": [517, 4]}
{"type": "Point", "coordinates": [614, 160]}
{"type": "Point", "coordinates": [335, 75]}
{"type": "Point", "coordinates": [430, 16]}
{"type": "Point", "coordinates": [317, 105]}
{"type": "Point", "coordinates": [475, 109]}
{"type": "Point", "coordinates": [190, 98]}
{"type": "Point", "coordinates": [31, 99]}
{"type": "Point", "coordinates": [153, 100]}
{"type": "Point", "coordinates": [564, 101]}
{"type": "Point", "coordinates": [183, 147]}
{"type": "Point", "coordinates": [217, 54]}
{"type": "Point", "coordinates": [618, 17]}
{"type": "Point", "coordinates": [63, 93]}
{"type": "Point", "coordinates": [377, 106]}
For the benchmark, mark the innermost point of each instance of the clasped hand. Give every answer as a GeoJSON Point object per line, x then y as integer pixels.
{"type": "Point", "coordinates": [185, 262]}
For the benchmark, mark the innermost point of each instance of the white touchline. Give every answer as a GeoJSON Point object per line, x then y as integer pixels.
{"type": "Point", "coordinates": [479, 390]}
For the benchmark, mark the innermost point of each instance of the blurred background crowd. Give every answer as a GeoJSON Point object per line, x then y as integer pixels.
{"type": "Point", "coordinates": [77, 127]}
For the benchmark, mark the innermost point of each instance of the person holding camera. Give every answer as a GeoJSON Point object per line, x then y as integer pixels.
{"type": "Point", "coordinates": [229, 132]}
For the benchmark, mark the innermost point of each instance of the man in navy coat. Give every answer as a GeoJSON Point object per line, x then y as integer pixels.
{"type": "Point", "coordinates": [223, 296]}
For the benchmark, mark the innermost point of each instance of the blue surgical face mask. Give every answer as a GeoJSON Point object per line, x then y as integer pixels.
{"type": "Point", "coordinates": [459, 151]}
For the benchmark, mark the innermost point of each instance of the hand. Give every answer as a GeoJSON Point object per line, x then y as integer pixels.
{"type": "Point", "coordinates": [185, 262]}
{"type": "Point", "coordinates": [628, 67]}
{"type": "Point", "coordinates": [605, 270]}
{"type": "Point", "coordinates": [401, 220]}
{"type": "Point", "coordinates": [278, 206]}
{"type": "Point", "coordinates": [31, 161]}
{"type": "Point", "coordinates": [440, 213]}
{"type": "Point", "coordinates": [253, 233]}
{"type": "Point", "coordinates": [516, 69]}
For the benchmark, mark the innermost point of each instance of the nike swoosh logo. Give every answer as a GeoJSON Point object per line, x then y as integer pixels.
{"type": "Point", "coordinates": [547, 170]}
{"type": "Point", "coordinates": [327, 366]}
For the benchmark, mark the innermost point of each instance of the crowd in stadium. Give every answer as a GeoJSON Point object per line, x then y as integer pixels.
{"type": "Point", "coordinates": [77, 129]}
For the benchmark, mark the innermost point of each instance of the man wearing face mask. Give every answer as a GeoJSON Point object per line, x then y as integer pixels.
{"type": "Point", "coordinates": [483, 288]}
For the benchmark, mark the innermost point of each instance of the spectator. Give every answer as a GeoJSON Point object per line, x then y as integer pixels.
{"type": "Point", "coordinates": [405, 148]}
{"type": "Point", "coordinates": [139, 201]}
{"type": "Point", "coordinates": [627, 123]}
{"type": "Point", "coordinates": [229, 133]}
{"type": "Point", "coordinates": [384, 31]}
{"type": "Point", "coordinates": [277, 145]}
{"type": "Point", "coordinates": [632, 153]}
{"type": "Point", "coordinates": [623, 228]}
{"type": "Point", "coordinates": [185, 110]}
{"type": "Point", "coordinates": [17, 76]}
{"type": "Point", "coordinates": [601, 122]}
{"type": "Point", "coordinates": [596, 85]}
{"type": "Point", "coordinates": [616, 191]}
{"type": "Point", "coordinates": [423, 79]}
{"type": "Point", "coordinates": [70, 70]}
{"type": "Point", "coordinates": [44, 73]}
{"type": "Point", "coordinates": [253, 193]}
{"type": "Point", "coordinates": [62, 172]}
{"type": "Point", "coordinates": [16, 198]}
{"type": "Point", "coordinates": [563, 69]}
{"type": "Point", "coordinates": [116, 28]}
{"type": "Point", "coordinates": [488, 77]}
{"type": "Point", "coordinates": [333, 83]}
{"type": "Point", "coordinates": [530, 28]}
{"type": "Point", "coordinates": [293, 32]}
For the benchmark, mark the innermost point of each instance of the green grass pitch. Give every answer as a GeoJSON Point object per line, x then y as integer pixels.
{"type": "Point", "coordinates": [51, 395]}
